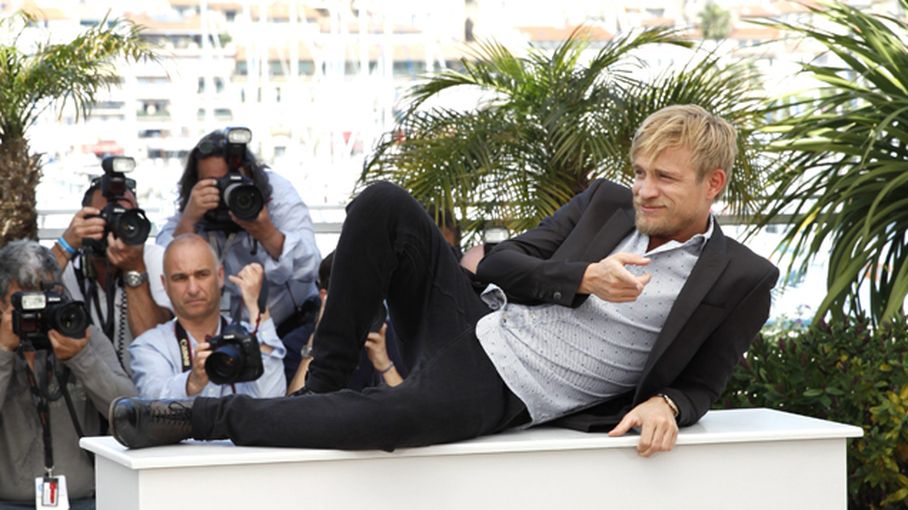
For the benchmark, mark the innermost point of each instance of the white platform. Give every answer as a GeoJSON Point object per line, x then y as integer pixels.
{"type": "Point", "coordinates": [741, 459]}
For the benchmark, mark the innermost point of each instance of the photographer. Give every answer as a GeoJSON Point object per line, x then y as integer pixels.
{"type": "Point", "coordinates": [54, 387]}
{"type": "Point", "coordinates": [118, 279]}
{"type": "Point", "coordinates": [279, 236]}
{"type": "Point", "coordinates": [380, 362]}
{"type": "Point", "coordinates": [176, 359]}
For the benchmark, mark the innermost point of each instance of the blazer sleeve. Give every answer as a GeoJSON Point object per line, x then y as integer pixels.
{"type": "Point", "coordinates": [523, 266]}
{"type": "Point", "coordinates": [704, 378]}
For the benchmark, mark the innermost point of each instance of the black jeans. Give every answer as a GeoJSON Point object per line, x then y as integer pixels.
{"type": "Point", "coordinates": [390, 249]}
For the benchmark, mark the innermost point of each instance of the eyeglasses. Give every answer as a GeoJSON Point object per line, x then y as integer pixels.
{"type": "Point", "coordinates": [211, 146]}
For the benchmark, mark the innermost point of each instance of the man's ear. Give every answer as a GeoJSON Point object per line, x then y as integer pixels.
{"type": "Point", "coordinates": [716, 181]}
{"type": "Point", "coordinates": [221, 276]}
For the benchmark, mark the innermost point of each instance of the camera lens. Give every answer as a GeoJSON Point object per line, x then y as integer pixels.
{"type": "Point", "coordinates": [131, 226]}
{"type": "Point", "coordinates": [244, 200]}
{"type": "Point", "coordinates": [225, 364]}
{"type": "Point", "coordinates": [69, 319]}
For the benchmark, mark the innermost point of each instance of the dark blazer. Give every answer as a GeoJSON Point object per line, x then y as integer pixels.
{"type": "Point", "coordinates": [717, 314]}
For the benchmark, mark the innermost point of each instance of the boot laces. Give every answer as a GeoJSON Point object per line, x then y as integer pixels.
{"type": "Point", "coordinates": [175, 412]}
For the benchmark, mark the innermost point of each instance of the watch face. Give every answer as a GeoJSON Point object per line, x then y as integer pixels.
{"type": "Point", "coordinates": [134, 278]}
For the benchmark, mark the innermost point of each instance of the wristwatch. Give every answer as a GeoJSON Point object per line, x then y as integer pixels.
{"type": "Point", "coordinates": [134, 279]}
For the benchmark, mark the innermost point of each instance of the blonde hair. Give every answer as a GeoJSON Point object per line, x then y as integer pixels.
{"type": "Point", "coordinates": [711, 139]}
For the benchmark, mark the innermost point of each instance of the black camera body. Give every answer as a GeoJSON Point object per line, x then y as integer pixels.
{"type": "Point", "coordinates": [235, 356]}
{"type": "Point", "coordinates": [130, 225]}
{"type": "Point", "coordinates": [238, 193]}
{"type": "Point", "coordinates": [37, 312]}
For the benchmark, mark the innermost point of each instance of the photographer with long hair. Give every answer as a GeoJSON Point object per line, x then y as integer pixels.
{"type": "Point", "coordinates": [277, 232]}
{"type": "Point", "coordinates": [58, 375]}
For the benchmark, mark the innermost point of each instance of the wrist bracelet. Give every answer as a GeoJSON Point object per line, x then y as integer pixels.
{"type": "Point", "coordinates": [671, 403]}
{"type": "Point", "coordinates": [387, 369]}
{"type": "Point", "coordinates": [66, 247]}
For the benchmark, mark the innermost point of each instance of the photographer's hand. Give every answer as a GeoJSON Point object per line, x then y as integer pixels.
{"type": "Point", "coordinates": [66, 347]}
{"type": "Point", "coordinates": [249, 281]}
{"type": "Point", "coordinates": [198, 378]}
{"type": "Point", "coordinates": [84, 225]}
{"type": "Point", "coordinates": [126, 257]}
{"type": "Point", "coordinates": [263, 230]}
{"type": "Point", "coordinates": [9, 341]}
{"type": "Point", "coordinates": [203, 198]}
{"type": "Point", "coordinates": [377, 350]}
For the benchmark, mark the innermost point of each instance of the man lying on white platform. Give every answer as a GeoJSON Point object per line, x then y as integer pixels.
{"type": "Point", "coordinates": [568, 328]}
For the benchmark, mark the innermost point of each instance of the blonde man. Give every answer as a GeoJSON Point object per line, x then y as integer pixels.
{"type": "Point", "coordinates": [627, 308]}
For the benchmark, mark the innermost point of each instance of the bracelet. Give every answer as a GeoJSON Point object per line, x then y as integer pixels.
{"type": "Point", "coordinates": [66, 247]}
{"type": "Point", "coordinates": [671, 403]}
{"type": "Point", "coordinates": [387, 369]}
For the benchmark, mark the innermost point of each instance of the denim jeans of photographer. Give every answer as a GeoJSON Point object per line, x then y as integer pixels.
{"type": "Point", "coordinates": [389, 248]}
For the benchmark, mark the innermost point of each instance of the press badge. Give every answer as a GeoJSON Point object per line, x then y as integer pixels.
{"type": "Point", "coordinates": [50, 492]}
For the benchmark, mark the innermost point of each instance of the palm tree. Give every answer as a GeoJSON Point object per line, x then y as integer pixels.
{"type": "Point", "coordinates": [549, 124]}
{"type": "Point", "coordinates": [30, 83]}
{"type": "Point", "coordinates": [844, 167]}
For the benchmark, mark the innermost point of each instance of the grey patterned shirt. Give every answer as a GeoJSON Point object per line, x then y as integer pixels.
{"type": "Point", "coordinates": [559, 360]}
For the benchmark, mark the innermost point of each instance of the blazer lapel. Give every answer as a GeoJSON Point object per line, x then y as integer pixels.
{"type": "Point", "coordinates": [616, 228]}
{"type": "Point", "coordinates": [702, 277]}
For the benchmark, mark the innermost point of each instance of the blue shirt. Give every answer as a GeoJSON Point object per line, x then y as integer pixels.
{"type": "Point", "coordinates": [292, 276]}
{"type": "Point", "coordinates": [157, 368]}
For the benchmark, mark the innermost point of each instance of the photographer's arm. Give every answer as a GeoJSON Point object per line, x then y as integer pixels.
{"type": "Point", "coordinates": [9, 342]}
{"type": "Point", "coordinates": [297, 257]}
{"type": "Point", "coordinates": [156, 367]}
{"type": "Point", "coordinates": [79, 228]}
{"type": "Point", "coordinates": [95, 365]}
{"type": "Point", "coordinates": [203, 197]}
{"type": "Point", "coordinates": [377, 350]}
{"type": "Point", "coordinates": [143, 313]}
{"type": "Point", "coordinates": [262, 229]}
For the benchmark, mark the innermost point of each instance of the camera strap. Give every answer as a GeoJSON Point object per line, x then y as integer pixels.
{"type": "Point", "coordinates": [186, 345]}
{"type": "Point", "coordinates": [39, 393]}
{"type": "Point", "coordinates": [89, 289]}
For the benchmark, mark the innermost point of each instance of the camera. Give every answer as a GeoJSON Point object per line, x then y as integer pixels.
{"type": "Point", "coordinates": [37, 312]}
{"type": "Point", "coordinates": [235, 356]}
{"type": "Point", "coordinates": [130, 225]}
{"type": "Point", "coordinates": [238, 193]}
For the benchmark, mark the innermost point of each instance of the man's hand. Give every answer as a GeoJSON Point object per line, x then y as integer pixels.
{"type": "Point", "coordinates": [9, 341]}
{"type": "Point", "coordinates": [66, 347]}
{"type": "Point", "coordinates": [203, 198]}
{"type": "Point", "coordinates": [84, 227]}
{"type": "Point", "coordinates": [249, 281]}
{"type": "Point", "coordinates": [658, 428]}
{"type": "Point", "coordinates": [127, 257]}
{"type": "Point", "coordinates": [377, 349]}
{"type": "Point", "coordinates": [198, 378]}
{"type": "Point", "coordinates": [609, 280]}
{"type": "Point", "coordinates": [263, 230]}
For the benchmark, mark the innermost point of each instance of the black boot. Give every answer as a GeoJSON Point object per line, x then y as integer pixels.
{"type": "Point", "coordinates": [138, 423]}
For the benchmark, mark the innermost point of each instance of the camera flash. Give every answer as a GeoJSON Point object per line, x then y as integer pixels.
{"type": "Point", "coordinates": [33, 301]}
{"type": "Point", "coordinates": [120, 164]}
{"type": "Point", "coordinates": [239, 135]}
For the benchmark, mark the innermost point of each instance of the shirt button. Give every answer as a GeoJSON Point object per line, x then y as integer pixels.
{"type": "Point", "coordinates": [556, 295]}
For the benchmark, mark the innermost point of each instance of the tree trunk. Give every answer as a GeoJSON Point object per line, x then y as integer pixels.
{"type": "Point", "coordinates": [19, 176]}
